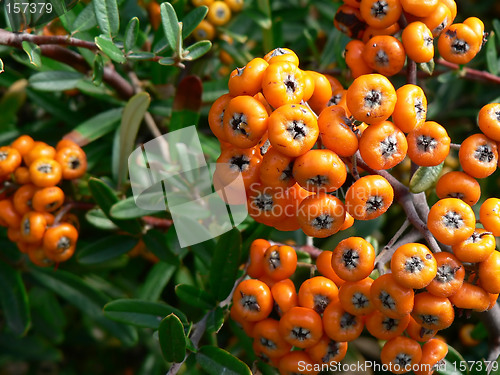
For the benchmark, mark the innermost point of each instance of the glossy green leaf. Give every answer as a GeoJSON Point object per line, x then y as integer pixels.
{"type": "Point", "coordinates": [192, 20]}
{"type": "Point", "coordinates": [105, 249]}
{"type": "Point", "coordinates": [86, 19]}
{"type": "Point", "coordinates": [172, 339]}
{"type": "Point", "coordinates": [140, 313]}
{"type": "Point", "coordinates": [194, 296]}
{"type": "Point", "coordinates": [34, 53]}
{"type": "Point", "coordinates": [132, 117]}
{"type": "Point", "coordinates": [170, 24]}
{"type": "Point", "coordinates": [55, 80]}
{"type": "Point", "coordinates": [215, 320]}
{"type": "Point", "coordinates": [106, 198]}
{"type": "Point", "coordinates": [216, 361]}
{"type": "Point", "coordinates": [96, 127]}
{"type": "Point", "coordinates": [141, 56]}
{"type": "Point", "coordinates": [424, 178]}
{"type": "Point", "coordinates": [492, 54]}
{"type": "Point", "coordinates": [14, 300]}
{"type": "Point", "coordinates": [225, 263]}
{"type": "Point", "coordinates": [156, 281]}
{"type": "Point", "coordinates": [107, 16]}
{"type": "Point", "coordinates": [131, 33]}
{"type": "Point", "coordinates": [127, 209]}
{"type": "Point", "coordinates": [89, 300]}
{"type": "Point", "coordinates": [197, 50]}
{"type": "Point", "coordinates": [98, 219]}
{"type": "Point", "coordinates": [98, 70]}
{"type": "Point", "coordinates": [156, 242]}
{"type": "Point", "coordinates": [110, 49]}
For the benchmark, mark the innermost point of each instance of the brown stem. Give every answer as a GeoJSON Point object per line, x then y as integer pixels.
{"type": "Point", "coordinates": [8, 38]}
{"type": "Point", "coordinates": [411, 72]}
{"type": "Point", "coordinates": [386, 254]}
{"type": "Point", "coordinates": [471, 73]}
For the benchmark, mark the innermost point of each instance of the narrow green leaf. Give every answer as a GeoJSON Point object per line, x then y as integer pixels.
{"type": "Point", "coordinates": [105, 249]}
{"type": "Point", "coordinates": [55, 80]}
{"type": "Point", "coordinates": [89, 300]}
{"type": "Point", "coordinates": [34, 53]}
{"type": "Point", "coordinates": [107, 16]}
{"type": "Point", "coordinates": [172, 339]}
{"type": "Point", "coordinates": [156, 242]}
{"type": "Point", "coordinates": [428, 67]}
{"type": "Point", "coordinates": [194, 296]}
{"type": "Point", "coordinates": [166, 61]}
{"type": "Point", "coordinates": [225, 263]}
{"type": "Point", "coordinates": [131, 121]}
{"type": "Point", "coordinates": [259, 18]}
{"type": "Point", "coordinates": [496, 27]}
{"type": "Point", "coordinates": [131, 34]}
{"type": "Point", "coordinates": [96, 127]}
{"type": "Point", "coordinates": [106, 198]}
{"type": "Point", "coordinates": [86, 19]}
{"type": "Point", "coordinates": [99, 219]}
{"type": "Point", "coordinates": [127, 209]}
{"type": "Point", "coordinates": [170, 24]}
{"type": "Point", "coordinates": [215, 320]}
{"type": "Point", "coordinates": [491, 54]}
{"type": "Point", "coordinates": [424, 178]}
{"type": "Point", "coordinates": [98, 71]}
{"type": "Point", "coordinates": [158, 277]}
{"type": "Point", "coordinates": [14, 300]}
{"type": "Point", "coordinates": [110, 49]}
{"type": "Point", "coordinates": [216, 361]}
{"type": "Point", "coordinates": [192, 20]}
{"type": "Point", "coordinates": [197, 50]}
{"type": "Point", "coordinates": [140, 313]}
{"type": "Point", "coordinates": [141, 56]}
{"type": "Point", "coordinates": [1, 66]}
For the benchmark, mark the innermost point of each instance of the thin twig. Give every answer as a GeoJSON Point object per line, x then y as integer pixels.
{"type": "Point", "coordinates": [471, 73]}
{"type": "Point", "coordinates": [8, 38]}
{"type": "Point", "coordinates": [455, 146]}
{"type": "Point", "coordinates": [386, 254]}
{"type": "Point", "coordinates": [411, 72]}
{"type": "Point", "coordinates": [354, 166]}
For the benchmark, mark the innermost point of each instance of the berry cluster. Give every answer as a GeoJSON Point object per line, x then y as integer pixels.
{"type": "Point", "coordinates": [267, 126]}
{"type": "Point", "coordinates": [219, 14]}
{"type": "Point", "coordinates": [406, 307]}
{"type": "Point", "coordinates": [375, 24]}
{"type": "Point", "coordinates": [31, 206]}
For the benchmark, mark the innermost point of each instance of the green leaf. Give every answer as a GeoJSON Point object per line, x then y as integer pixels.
{"type": "Point", "coordinates": [192, 20]}
{"type": "Point", "coordinates": [131, 34]}
{"type": "Point", "coordinates": [89, 300]}
{"type": "Point", "coordinates": [105, 249]}
{"type": "Point", "coordinates": [194, 296]}
{"type": "Point", "coordinates": [166, 61]}
{"type": "Point", "coordinates": [110, 49]}
{"type": "Point", "coordinates": [11, 102]}
{"type": "Point", "coordinates": [31, 348]}
{"type": "Point", "coordinates": [127, 209]}
{"type": "Point", "coordinates": [156, 280]}
{"type": "Point", "coordinates": [98, 219]}
{"type": "Point", "coordinates": [96, 127]}
{"type": "Point", "coordinates": [48, 316]}
{"type": "Point", "coordinates": [86, 20]}
{"type": "Point", "coordinates": [496, 27]}
{"type": "Point", "coordinates": [259, 18]}
{"type": "Point", "coordinates": [107, 16]}
{"type": "Point", "coordinates": [495, 365]}
{"type": "Point", "coordinates": [172, 339]}
{"type": "Point", "coordinates": [428, 67]}
{"type": "Point", "coordinates": [197, 50]}
{"type": "Point", "coordinates": [1, 66]}
{"type": "Point", "coordinates": [424, 178]}
{"type": "Point", "coordinates": [106, 198]}
{"type": "Point", "coordinates": [98, 71]}
{"type": "Point", "coordinates": [133, 114]}
{"type": "Point", "coordinates": [14, 300]}
{"type": "Point", "coordinates": [479, 332]}
{"type": "Point", "coordinates": [170, 24]}
{"type": "Point", "coordinates": [141, 56]}
{"type": "Point", "coordinates": [225, 263]}
{"type": "Point", "coordinates": [492, 55]}
{"type": "Point", "coordinates": [156, 242]}
{"type": "Point", "coordinates": [55, 80]}
{"type": "Point", "coordinates": [454, 363]}
{"type": "Point", "coordinates": [34, 53]}
{"type": "Point", "coordinates": [215, 320]}
{"type": "Point", "coordinates": [216, 361]}
{"type": "Point", "coordinates": [140, 313]}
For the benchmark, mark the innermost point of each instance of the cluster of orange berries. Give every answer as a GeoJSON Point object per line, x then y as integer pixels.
{"type": "Point", "coordinates": [31, 206]}
{"type": "Point", "coordinates": [375, 26]}
{"type": "Point", "coordinates": [406, 308]}
{"type": "Point", "coordinates": [219, 14]}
